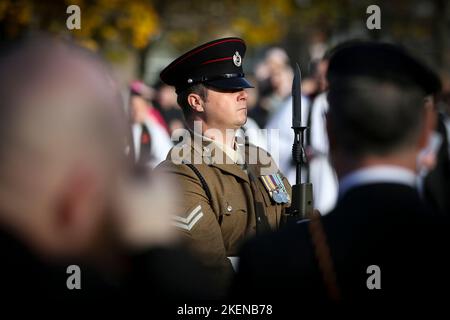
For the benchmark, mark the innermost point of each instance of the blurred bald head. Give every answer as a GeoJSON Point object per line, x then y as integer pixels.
{"type": "Point", "coordinates": [56, 80]}
{"type": "Point", "coordinates": [62, 136]}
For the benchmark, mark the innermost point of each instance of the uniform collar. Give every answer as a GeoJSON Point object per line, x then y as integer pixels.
{"type": "Point", "coordinates": [217, 149]}
{"type": "Point", "coordinates": [377, 174]}
{"type": "Point", "coordinates": [213, 154]}
{"type": "Point", "coordinates": [197, 149]}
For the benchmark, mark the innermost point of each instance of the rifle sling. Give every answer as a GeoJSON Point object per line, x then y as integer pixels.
{"type": "Point", "coordinates": [323, 255]}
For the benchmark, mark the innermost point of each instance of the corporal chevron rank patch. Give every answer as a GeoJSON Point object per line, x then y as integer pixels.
{"type": "Point", "coordinates": [189, 222]}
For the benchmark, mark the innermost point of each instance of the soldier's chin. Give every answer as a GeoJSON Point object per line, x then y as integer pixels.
{"type": "Point", "coordinates": [240, 123]}
{"type": "Point", "coordinates": [244, 121]}
{"type": "Point", "coordinates": [243, 114]}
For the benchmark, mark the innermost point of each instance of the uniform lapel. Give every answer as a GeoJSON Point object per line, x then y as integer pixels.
{"type": "Point", "coordinates": [254, 163]}
{"type": "Point", "coordinates": [225, 164]}
{"type": "Point", "coordinates": [205, 152]}
{"type": "Point", "coordinates": [214, 156]}
{"type": "Point", "coordinates": [233, 169]}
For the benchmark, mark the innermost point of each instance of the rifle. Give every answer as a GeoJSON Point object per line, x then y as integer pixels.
{"type": "Point", "coordinates": [302, 192]}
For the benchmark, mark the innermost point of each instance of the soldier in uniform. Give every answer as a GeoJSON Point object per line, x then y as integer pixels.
{"type": "Point", "coordinates": [231, 189]}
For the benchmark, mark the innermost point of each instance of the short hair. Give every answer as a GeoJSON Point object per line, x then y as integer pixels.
{"type": "Point", "coordinates": [375, 116]}
{"type": "Point", "coordinates": [182, 98]}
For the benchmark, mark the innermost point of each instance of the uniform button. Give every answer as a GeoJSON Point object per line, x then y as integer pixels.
{"type": "Point", "coordinates": [229, 208]}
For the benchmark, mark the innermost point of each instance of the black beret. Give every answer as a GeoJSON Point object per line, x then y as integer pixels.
{"type": "Point", "coordinates": [382, 61]}
{"type": "Point", "coordinates": [217, 63]}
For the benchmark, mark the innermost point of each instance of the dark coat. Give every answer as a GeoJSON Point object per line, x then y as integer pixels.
{"type": "Point", "coordinates": [378, 224]}
{"type": "Point", "coordinates": [156, 276]}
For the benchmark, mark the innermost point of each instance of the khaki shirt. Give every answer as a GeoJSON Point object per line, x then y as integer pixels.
{"type": "Point", "coordinates": [214, 230]}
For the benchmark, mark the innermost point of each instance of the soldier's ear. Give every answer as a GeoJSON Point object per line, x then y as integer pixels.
{"type": "Point", "coordinates": [196, 102]}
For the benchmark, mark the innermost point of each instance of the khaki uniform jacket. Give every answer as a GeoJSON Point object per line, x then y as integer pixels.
{"type": "Point", "coordinates": [216, 229]}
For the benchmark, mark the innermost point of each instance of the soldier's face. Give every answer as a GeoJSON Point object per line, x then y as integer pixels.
{"type": "Point", "coordinates": [226, 109]}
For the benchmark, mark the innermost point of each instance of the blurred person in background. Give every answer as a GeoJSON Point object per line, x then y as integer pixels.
{"type": "Point", "coordinates": [66, 193]}
{"type": "Point", "coordinates": [151, 140]}
{"type": "Point", "coordinates": [275, 58]}
{"type": "Point", "coordinates": [435, 158]}
{"type": "Point", "coordinates": [255, 110]}
{"type": "Point", "coordinates": [321, 172]}
{"type": "Point", "coordinates": [281, 83]}
{"type": "Point", "coordinates": [282, 122]}
{"type": "Point", "coordinates": [251, 131]}
{"type": "Point", "coordinates": [166, 101]}
{"type": "Point", "coordinates": [316, 82]}
{"type": "Point", "coordinates": [274, 76]}
{"type": "Point", "coordinates": [314, 108]}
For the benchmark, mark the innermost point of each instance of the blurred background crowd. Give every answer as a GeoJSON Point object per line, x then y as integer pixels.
{"type": "Point", "coordinates": [140, 37]}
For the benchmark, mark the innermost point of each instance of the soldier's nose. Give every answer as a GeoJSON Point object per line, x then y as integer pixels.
{"type": "Point", "coordinates": [243, 95]}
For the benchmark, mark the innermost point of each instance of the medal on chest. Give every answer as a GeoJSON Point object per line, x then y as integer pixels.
{"type": "Point", "coordinates": [275, 187]}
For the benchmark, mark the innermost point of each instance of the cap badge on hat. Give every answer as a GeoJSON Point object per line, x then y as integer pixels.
{"type": "Point", "coordinates": [218, 63]}
{"type": "Point", "coordinates": [237, 60]}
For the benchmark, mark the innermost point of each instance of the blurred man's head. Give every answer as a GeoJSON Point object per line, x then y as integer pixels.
{"type": "Point", "coordinates": [377, 104]}
{"type": "Point", "coordinates": [281, 81]}
{"type": "Point", "coordinates": [139, 109]}
{"type": "Point", "coordinates": [140, 96]}
{"type": "Point", "coordinates": [166, 97]}
{"type": "Point", "coordinates": [61, 145]}
{"type": "Point", "coordinates": [276, 58]}
{"type": "Point", "coordinates": [253, 95]}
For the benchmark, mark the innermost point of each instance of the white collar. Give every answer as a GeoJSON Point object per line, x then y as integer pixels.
{"type": "Point", "coordinates": [377, 174]}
